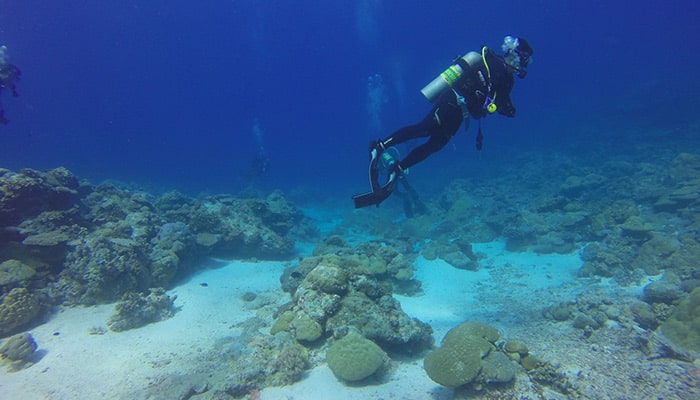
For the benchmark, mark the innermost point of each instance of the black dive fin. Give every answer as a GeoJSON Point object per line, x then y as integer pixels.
{"type": "Point", "coordinates": [376, 197]}
{"type": "Point", "coordinates": [369, 199]}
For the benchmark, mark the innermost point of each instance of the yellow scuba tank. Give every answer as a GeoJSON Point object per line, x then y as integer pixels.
{"type": "Point", "coordinates": [445, 80]}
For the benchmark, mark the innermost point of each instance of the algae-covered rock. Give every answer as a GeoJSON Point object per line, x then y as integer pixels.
{"type": "Point", "coordinates": [514, 346]}
{"type": "Point", "coordinates": [305, 328]}
{"type": "Point", "coordinates": [328, 278]}
{"type": "Point", "coordinates": [382, 321]}
{"type": "Point", "coordinates": [662, 291]}
{"type": "Point", "coordinates": [18, 350]}
{"type": "Point", "coordinates": [101, 269]}
{"type": "Point", "coordinates": [18, 308]}
{"type": "Point", "coordinates": [560, 312]}
{"type": "Point", "coordinates": [138, 309]}
{"type": "Point", "coordinates": [15, 271]}
{"type": "Point", "coordinates": [683, 328]}
{"type": "Point", "coordinates": [644, 315]}
{"type": "Point", "coordinates": [637, 228]}
{"type": "Point", "coordinates": [282, 323]}
{"type": "Point", "coordinates": [354, 357]}
{"type": "Point", "coordinates": [531, 362]}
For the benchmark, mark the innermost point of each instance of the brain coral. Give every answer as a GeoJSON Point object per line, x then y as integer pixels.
{"type": "Point", "coordinates": [460, 359]}
{"type": "Point", "coordinates": [354, 357]}
{"type": "Point", "coordinates": [457, 363]}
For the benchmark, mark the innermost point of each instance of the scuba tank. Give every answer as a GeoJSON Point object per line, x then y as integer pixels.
{"type": "Point", "coordinates": [445, 80]}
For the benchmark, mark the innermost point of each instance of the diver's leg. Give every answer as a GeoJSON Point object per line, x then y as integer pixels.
{"type": "Point", "coordinates": [445, 123]}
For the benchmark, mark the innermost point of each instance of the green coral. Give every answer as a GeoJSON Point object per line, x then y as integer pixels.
{"type": "Point", "coordinates": [683, 327]}
{"type": "Point", "coordinates": [18, 308]}
{"type": "Point", "coordinates": [461, 357]}
{"type": "Point", "coordinates": [472, 328]}
{"type": "Point", "coordinates": [458, 363]}
{"type": "Point", "coordinates": [354, 357]}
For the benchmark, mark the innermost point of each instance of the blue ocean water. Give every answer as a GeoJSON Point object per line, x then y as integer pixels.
{"type": "Point", "coordinates": [183, 95]}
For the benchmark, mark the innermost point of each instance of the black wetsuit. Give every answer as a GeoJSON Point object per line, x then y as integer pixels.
{"type": "Point", "coordinates": [443, 121]}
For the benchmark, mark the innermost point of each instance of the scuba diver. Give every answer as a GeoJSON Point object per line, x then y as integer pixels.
{"type": "Point", "coordinates": [9, 75]}
{"type": "Point", "coordinates": [260, 164]}
{"type": "Point", "coordinates": [477, 84]}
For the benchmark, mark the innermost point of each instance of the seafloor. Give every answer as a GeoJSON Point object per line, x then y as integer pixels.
{"type": "Point", "coordinates": [570, 276]}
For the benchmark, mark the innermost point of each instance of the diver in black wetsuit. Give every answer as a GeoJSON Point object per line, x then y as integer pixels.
{"type": "Point", "coordinates": [9, 75]}
{"type": "Point", "coordinates": [478, 84]}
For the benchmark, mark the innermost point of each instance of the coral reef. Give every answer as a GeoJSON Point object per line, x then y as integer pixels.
{"type": "Point", "coordinates": [138, 309]}
{"type": "Point", "coordinates": [29, 192]}
{"type": "Point", "coordinates": [63, 241]}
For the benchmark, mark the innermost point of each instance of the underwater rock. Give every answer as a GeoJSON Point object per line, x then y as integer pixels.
{"type": "Point", "coordinates": [514, 346]}
{"type": "Point", "coordinates": [265, 361]}
{"type": "Point", "coordinates": [644, 315]}
{"type": "Point", "coordinates": [637, 228]}
{"type": "Point", "coordinates": [457, 253]}
{"type": "Point", "coordinates": [382, 321]}
{"type": "Point", "coordinates": [138, 309]}
{"type": "Point", "coordinates": [315, 303]}
{"type": "Point", "coordinates": [328, 279]}
{"type": "Point", "coordinates": [350, 289]}
{"type": "Point", "coordinates": [18, 350]}
{"type": "Point", "coordinates": [583, 321]}
{"type": "Point", "coordinates": [662, 292]}
{"type": "Point", "coordinates": [560, 312]}
{"type": "Point", "coordinates": [246, 227]}
{"type": "Point", "coordinates": [334, 244]}
{"type": "Point", "coordinates": [682, 327]}
{"type": "Point", "coordinates": [575, 186]}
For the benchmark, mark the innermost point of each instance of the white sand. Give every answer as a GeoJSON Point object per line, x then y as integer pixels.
{"type": "Point", "coordinates": [77, 365]}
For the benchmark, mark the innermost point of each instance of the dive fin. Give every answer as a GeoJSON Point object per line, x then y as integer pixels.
{"type": "Point", "coordinates": [378, 195]}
